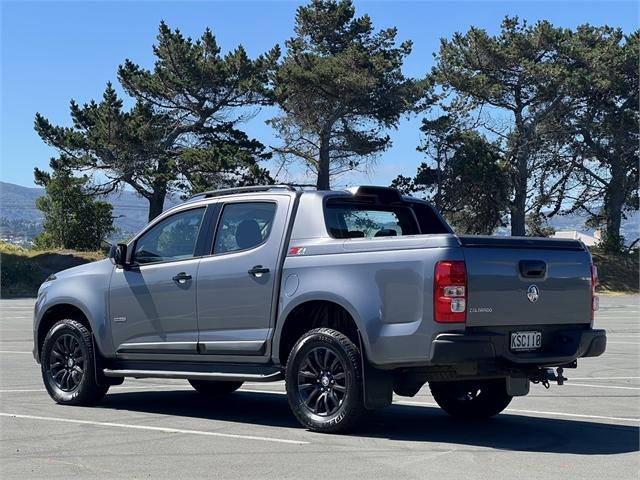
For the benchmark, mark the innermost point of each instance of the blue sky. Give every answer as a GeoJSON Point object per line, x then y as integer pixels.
{"type": "Point", "coordinates": [54, 51]}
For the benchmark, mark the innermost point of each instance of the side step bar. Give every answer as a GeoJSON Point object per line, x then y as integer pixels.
{"type": "Point", "coordinates": [227, 376]}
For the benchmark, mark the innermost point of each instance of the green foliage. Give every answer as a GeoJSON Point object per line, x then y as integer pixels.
{"type": "Point", "coordinates": [537, 225]}
{"type": "Point", "coordinates": [510, 82]}
{"type": "Point", "coordinates": [598, 127]}
{"type": "Point", "coordinates": [181, 132]}
{"type": "Point", "coordinates": [467, 178]}
{"type": "Point", "coordinates": [563, 106]}
{"type": "Point", "coordinates": [339, 86]}
{"type": "Point", "coordinates": [72, 218]}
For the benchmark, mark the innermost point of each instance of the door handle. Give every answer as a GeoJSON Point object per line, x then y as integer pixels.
{"type": "Point", "coordinates": [258, 271]}
{"type": "Point", "coordinates": [181, 278]}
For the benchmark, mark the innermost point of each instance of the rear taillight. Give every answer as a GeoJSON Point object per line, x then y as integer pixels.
{"type": "Point", "coordinates": [450, 292]}
{"type": "Point", "coordinates": [595, 301]}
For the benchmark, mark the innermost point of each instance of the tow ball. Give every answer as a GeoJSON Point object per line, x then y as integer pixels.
{"type": "Point", "coordinates": [545, 375]}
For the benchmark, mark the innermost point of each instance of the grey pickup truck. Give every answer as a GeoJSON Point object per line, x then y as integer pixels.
{"type": "Point", "coordinates": [349, 296]}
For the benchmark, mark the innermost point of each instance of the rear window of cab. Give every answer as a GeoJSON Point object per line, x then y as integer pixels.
{"type": "Point", "coordinates": [346, 219]}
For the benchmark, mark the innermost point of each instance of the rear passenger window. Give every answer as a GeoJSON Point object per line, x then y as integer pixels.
{"type": "Point", "coordinates": [355, 221]}
{"type": "Point", "coordinates": [243, 226]}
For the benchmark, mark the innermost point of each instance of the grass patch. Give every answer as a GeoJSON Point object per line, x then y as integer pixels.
{"type": "Point", "coordinates": [23, 270]}
{"type": "Point", "coordinates": [617, 273]}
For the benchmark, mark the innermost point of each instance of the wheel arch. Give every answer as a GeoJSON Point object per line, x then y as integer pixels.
{"type": "Point", "coordinates": [313, 311]}
{"type": "Point", "coordinates": [55, 313]}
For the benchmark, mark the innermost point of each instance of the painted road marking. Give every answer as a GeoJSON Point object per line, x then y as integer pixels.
{"type": "Point", "coordinates": [153, 429]}
{"type": "Point", "coordinates": [604, 378]}
{"type": "Point", "coordinates": [537, 412]}
{"type": "Point", "coordinates": [571, 384]}
{"type": "Point", "coordinates": [119, 387]}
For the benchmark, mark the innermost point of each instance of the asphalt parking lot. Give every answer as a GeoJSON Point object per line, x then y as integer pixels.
{"type": "Point", "coordinates": [588, 428]}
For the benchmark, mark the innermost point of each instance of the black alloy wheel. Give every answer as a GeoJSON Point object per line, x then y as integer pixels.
{"type": "Point", "coordinates": [324, 381]}
{"type": "Point", "coordinates": [68, 364]}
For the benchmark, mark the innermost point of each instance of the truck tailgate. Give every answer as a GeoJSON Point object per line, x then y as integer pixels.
{"type": "Point", "coordinates": [522, 281]}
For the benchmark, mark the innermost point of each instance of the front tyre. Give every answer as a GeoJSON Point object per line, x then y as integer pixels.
{"type": "Point", "coordinates": [324, 381]}
{"type": "Point", "coordinates": [68, 365]}
{"type": "Point", "coordinates": [471, 400]}
{"type": "Point", "coordinates": [207, 387]}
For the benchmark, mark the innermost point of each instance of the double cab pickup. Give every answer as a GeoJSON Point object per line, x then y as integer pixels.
{"type": "Point", "coordinates": [349, 296]}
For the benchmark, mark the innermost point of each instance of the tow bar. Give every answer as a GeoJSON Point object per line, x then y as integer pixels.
{"type": "Point", "coordinates": [544, 375]}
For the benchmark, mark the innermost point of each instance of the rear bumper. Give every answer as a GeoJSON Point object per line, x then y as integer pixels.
{"type": "Point", "coordinates": [564, 346]}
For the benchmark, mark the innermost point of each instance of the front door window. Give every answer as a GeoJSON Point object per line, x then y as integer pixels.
{"type": "Point", "coordinates": [174, 238]}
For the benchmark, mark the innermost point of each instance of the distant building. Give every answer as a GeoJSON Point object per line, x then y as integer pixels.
{"type": "Point", "coordinates": [586, 238]}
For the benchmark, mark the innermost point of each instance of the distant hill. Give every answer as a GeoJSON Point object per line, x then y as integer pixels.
{"type": "Point", "coordinates": [20, 220]}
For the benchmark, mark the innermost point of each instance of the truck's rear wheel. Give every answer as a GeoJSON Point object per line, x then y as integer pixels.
{"type": "Point", "coordinates": [324, 381]}
{"type": "Point", "coordinates": [471, 399]}
{"type": "Point", "coordinates": [68, 365]}
{"type": "Point", "coordinates": [214, 387]}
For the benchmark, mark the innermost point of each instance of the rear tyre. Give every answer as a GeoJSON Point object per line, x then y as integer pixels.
{"type": "Point", "coordinates": [324, 381]}
{"type": "Point", "coordinates": [213, 387]}
{"type": "Point", "coordinates": [68, 365]}
{"type": "Point", "coordinates": [471, 400]}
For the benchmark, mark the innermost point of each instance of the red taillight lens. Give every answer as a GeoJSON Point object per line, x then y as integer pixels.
{"type": "Point", "coordinates": [595, 301]}
{"type": "Point", "coordinates": [450, 292]}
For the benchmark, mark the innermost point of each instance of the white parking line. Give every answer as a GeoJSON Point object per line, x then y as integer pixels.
{"type": "Point", "coordinates": [536, 412]}
{"type": "Point", "coordinates": [604, 378]}
{"type": "Point", "coordinates": [119, 387]}
{"type": "Point", "coordinates": [153, 429]}
{"type": "Point", "coordinates": [15, 351]}
{"type": "Point", "coordinates": [23, 390]}
{"type": "Point", "coordinates": [571, 384]}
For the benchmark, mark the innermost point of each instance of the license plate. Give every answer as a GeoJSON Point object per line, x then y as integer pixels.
{"type": "Point", "coordinates": [526, 341]}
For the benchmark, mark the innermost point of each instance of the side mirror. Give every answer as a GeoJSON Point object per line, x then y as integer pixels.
{"type": "Point", "coordinates": [118, 255]}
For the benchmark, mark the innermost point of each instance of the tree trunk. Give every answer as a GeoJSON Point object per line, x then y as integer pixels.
{"type": "Point", "coordinates": [156, 202]}
{"type": "Point", "coordinates": [324, 182]}
{"type": "Point", "coordinates": [519, 205]}
{"type": "Point", "coordinates": [614, 199]}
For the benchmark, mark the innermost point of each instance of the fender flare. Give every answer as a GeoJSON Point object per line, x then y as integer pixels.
{"type": "Point", "coordinates": [284, 317]}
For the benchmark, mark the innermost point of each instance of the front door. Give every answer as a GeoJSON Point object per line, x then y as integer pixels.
{"type": "Point", "coordinates": [235, 284]}
{"type": "Point", "coordinates": [152, 304]}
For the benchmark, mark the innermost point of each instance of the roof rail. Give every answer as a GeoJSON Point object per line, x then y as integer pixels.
{"type": "Point", "coordinates": [249, 189]}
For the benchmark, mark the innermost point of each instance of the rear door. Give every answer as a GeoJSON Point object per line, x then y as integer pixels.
{"type": "Point", "coordinates": [236, 283]}
{"type": "Point", "coordinates": [515, 282]}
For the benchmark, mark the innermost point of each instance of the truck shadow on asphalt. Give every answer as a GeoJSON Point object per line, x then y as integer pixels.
{"type": "Point", "coordinates": [515, 432]}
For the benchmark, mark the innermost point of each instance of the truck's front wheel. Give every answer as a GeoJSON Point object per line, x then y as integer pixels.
{"type": "Point", "coordinates": [324, 381]}
{"type": "Point", "coordinates": [471, 399]}
{"type": "Point", "coordinates": [68, 365]}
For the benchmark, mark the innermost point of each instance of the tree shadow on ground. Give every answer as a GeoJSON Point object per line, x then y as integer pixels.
{"type": "Point", "coordinates": [399, 423]}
